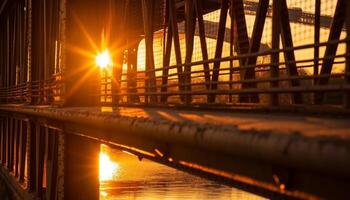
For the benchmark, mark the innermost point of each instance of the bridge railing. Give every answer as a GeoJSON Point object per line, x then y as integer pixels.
{"type": "Point", "coordinates": [222, 57]}
{"type": "Point", "coordinates": [41, 92]}
{"type": "Point", "coordinates": [217, 64]}
{"type": "Point", "coordinates": [300, 88]}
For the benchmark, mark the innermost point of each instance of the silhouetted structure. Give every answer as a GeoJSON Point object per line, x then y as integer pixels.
{"type": "Point", "coordinates": [171, 53]}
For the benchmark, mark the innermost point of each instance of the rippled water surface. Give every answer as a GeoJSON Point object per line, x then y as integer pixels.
{"type": "Point", "coordinates": [147, 180]}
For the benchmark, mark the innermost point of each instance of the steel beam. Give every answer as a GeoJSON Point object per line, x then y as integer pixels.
{"type": "Point", "coordinates": [22, 150]}
{"type": "Point", "coordinates": [3, 6]}
{"type": "Point", "coordinates": [317, 37]}
{"type": "Point", "coordinates": [201, 28]}
{"type": "Point", "coordinates": [287, 43]}
{"type": "Point", "coordinates": [31, 159]}
{"type": "Point", "coordinates": [51, 164]}
{"type": "Point", "coordinates": [4, 142]}
{"type": "Point", "coordinates": [40, 161]}
{"type": "Point", "coordinates": [8, 52]}
{"type": "Point", "coordinates": [2, 138]}
{"type": "Point", "coordinates": [275, 37]}
{"type": "Point", "coordinates": [17, 146]}
{"type": "Point", "coordinates": [219, 45]}
{"type": "Point", "coordinates": [258, 29]}
{"type": "Point", "coordinates": [331, 49]}
{"type": "Point", "coordinates": [347, 63]}
{"type": "Point", "coordinates": [28, 49]}
{"type": "Point", "coordinates": [147, 11]}
{"type": "Point", "coordinates": [190, 26]}
{"type": "Point", "coordinates": [10, 145]}
{"type": "Point", "coordinates": [132, 73]}
{"type": "Point", "coordinates": [166, 59]}
{"type": "Point", "coordinates": [174, 28]}
{"type": "Point", "coordinates": [241, 42]}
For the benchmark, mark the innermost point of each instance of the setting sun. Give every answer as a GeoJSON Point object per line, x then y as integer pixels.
{"type": "Point", "coordinates": [108, 168]}
{"type": "Point", "coordinates": [103, 59]}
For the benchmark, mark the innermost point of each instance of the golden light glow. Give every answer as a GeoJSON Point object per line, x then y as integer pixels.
{"type": "Point", "coordinates": [103, 194]}
{"type": "Point", "coordinates": [108, 169]}
{"type": "Point", "coordinates": [103, 59]}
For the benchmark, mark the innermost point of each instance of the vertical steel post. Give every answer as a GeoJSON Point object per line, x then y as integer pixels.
{"type": "Point", "coordinates": [31, 159]}
{"type": "Point", "coordinates": [289, 56]}
{"type": "Point", "coordinates": [190, 26]}
{"type": "Point", "coordinates": [8, 54]}
{"type": "Point", "coordinates": [81, 170]}
{"type": "Point", "coordinates": [1, 138]}
{"type": "Point", "coordinates": [10, 144]}
{"type": "Point", "coordinates": [232, 36]}
{"type": "Point", "coordinates": [201, 29]}
{"type": "Point", "coordinates": [347, 64]}
{"type": "Point", "coordinates": [218, 51]}
{"type": "Point", "coordinates": [4, 142]}
{"type": "Point", "coordinates": [242, 46]}
{"type": "Point", "coordinates": [22, 150]}
{"type": "Point", "coordinates": [254, 47]}
{"type": "Point", "coordinates": [317, 37]}
{"type": "Point", "coordinates": [17, 146]}
{"type": "Point", "coordinates": [40, 152]}
{"type": "Point", "coordinates": [317, 41]}
{"type": "Point", "coordinates": [275, 47]}
{"type": "Point", "coordinates": [147, 12]}
{"type": "Point", "coordinates": [174, 28]}
{"type": "Point", "coordinates": [132, 73]}
{"type": "Point", "coordinates": [51, 164]}
{"type": "Point", "coordinates": [1, 57]}
{"type": "Point", "coordinates": [331, 48]}
{"type": "Point", "coordinates": [28, 49]}
{"type": "Point", "coordinates": [166, 52]}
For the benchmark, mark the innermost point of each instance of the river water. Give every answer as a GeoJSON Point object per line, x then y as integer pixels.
{"type": "Point", "coordinates": [145, 180]}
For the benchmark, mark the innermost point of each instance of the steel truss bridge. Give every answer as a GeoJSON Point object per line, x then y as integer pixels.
{"type": "Point", "coordinates": [187, 88]}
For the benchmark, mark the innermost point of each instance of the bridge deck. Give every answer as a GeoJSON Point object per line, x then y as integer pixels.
{"type": "Point", "coordinates": [292, 139]}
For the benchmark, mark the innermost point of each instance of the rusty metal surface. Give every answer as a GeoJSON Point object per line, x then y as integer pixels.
{"type": "Point", "coordinates": [302, 142]}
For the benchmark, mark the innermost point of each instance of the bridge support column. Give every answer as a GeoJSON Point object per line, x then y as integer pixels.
{"type": "Point", "coordinates": [347, 65]}
{"type": "Point", "coordinates": [10, 144]}
{"type": "Point", "coordinates": [22, 149]}
{"type": "Point", "coordinates": [81, 171]}
{"type": "Point", "coordinates": [36, 151]}
{"type": "Point", "coordinates": [3, 140]}
{"type": "Point", "coordinates": [31, 157]}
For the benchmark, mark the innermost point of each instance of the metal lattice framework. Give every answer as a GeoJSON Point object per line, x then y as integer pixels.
{"type": "Point", "coordinates": [220, 53]}
{"type": "Point", "coordinates": [181, 52]}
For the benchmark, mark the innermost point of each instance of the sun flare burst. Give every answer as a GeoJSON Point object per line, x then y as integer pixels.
{"type": "Point", "coordinates": [103, 59]}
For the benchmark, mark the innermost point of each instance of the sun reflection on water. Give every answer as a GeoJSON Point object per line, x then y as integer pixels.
{"type": "Point", "coordinates": [123, 176]}
{"type": "Point", "coordinates": [108, 169]}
